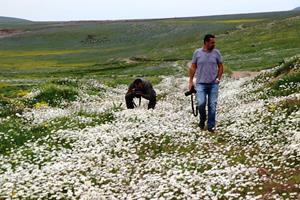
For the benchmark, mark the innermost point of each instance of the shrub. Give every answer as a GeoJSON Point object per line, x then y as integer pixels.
{"type": "Point", "coordinates": [54, 95]}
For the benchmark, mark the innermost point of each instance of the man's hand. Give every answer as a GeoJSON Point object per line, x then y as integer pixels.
{"type": "Point", "coordinates": [217, 81]}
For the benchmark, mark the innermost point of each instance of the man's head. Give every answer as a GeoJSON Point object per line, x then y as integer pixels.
{"type": "Point", "coordinates": [209, 42]}
{"type": "Point", "coordinates": [138, 84]}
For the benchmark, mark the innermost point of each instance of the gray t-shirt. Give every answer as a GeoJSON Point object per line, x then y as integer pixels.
{"type": "Point", "coordinates": [207, 65]}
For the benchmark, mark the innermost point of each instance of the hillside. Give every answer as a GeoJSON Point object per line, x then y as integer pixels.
{"type": "Point", "coordinates": [297, 8]}
{"type": "Point", "coordinates": [12, 20]}
{"type": "Point", "coordinates": [247, 41]}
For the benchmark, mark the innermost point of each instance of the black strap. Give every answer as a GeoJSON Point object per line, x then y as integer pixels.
{"type": "Point", "coordinates": [140, 100]}
{"type": "Point", "coordinates": [195, 113]}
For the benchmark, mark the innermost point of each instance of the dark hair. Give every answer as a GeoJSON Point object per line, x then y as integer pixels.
{"type": "Point", "coordinates": [207, 37]}
{"type": "Point", "coordinates": [137, 81]}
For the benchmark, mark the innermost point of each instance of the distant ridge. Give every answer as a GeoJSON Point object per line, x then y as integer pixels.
{"type": "Point", "coordinates": [5, 20]}
{"type": "Point", "coordinates": [298, 8]}
{"type": "Point", "coordinates": [12, 19]}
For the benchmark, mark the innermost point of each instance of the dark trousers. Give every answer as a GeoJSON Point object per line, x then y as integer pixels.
{"type": "Point", "coordinates": [129, 100]}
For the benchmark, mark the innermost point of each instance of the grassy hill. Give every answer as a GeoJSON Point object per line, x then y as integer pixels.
{"type": "Point", "coordinates": [10, 22]}
{"type": "Point", "coordinates": [248, 42]}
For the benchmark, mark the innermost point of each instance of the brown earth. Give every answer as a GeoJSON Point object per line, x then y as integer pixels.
{"type": "Point", "coordinates": [242, 74]}
{"type": "Point", "coordinates": [10, 32]}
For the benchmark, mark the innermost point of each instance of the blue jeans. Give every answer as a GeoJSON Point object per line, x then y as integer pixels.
{"type": "Point", "coordinates": [211, 91]}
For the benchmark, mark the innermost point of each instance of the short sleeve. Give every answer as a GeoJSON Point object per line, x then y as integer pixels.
{"type": "Point", "coordinates": [219, 57]}
{"type": "Point", "coordinates": [194, 59]}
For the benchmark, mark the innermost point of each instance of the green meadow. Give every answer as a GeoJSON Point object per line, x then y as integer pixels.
{"type": "Point", "coordinates": [248, 42]}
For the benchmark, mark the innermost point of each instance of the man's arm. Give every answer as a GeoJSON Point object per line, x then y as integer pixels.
{"type": "Point", "coordinates": [148, 91]}
{"type": "Point", "coordinates": [130, 89]}
{"type": "Point", "coordinates": [220, 71]}
{"type": "Point", "coordinates": [192, 72]}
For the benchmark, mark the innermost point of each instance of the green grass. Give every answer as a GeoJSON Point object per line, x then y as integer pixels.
{"type": "Point", "coordinates": [282, 81]}
{"type": "Point", "coordinates": [279, 85]}
{"type": "Point", "coordinates": [14, 90]}
{"type": "Point", "coordinates": [54, 95]}
{"type": "Point", "coordinates": [16, 133]}
{"type": "Point", "coordinates": [290, 105]}
{"type": "Point", "coordinates": [261, 46]}
{"type": "Point", "coordinates": [9, 107]}
{"type": "Point", "coordinates": [286, 67]}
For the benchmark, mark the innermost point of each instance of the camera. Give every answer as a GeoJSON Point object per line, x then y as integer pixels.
{"type": "Point", "coordinates": [137, 93]}
{"type": "Point", "coordinates": [192, 91]}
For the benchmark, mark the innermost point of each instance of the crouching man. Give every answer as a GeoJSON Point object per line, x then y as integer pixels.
{"type": "Point", "coordinates": [140, 88]}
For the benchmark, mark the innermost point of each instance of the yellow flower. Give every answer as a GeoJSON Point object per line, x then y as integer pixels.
{"type": "Point", "coordinates": [22, 93]}
{"type": "Point", "coordinates": [271, 107]}
{"type": "Point", "coordinates": [42, 104]}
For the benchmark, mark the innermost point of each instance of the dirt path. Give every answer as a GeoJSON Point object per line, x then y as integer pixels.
{"type": "Point", "coordinates": [242, 74]}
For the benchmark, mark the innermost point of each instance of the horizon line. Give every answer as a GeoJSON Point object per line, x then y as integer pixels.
{"type": "Point", "coordinates": [154, 18]}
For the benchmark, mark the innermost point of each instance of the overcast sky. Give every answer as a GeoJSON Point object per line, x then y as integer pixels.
{"type": "Point", "coordinates": [64, 10]}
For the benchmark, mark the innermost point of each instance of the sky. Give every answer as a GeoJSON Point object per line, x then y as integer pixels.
{"type": "Point", "coordinates": [67, 10]}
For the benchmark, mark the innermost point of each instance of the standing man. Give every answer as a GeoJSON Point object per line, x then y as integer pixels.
{"type": "Point", "coordinates": [140, 88]}
{"type": "Point", "coordinates": [207, 65]}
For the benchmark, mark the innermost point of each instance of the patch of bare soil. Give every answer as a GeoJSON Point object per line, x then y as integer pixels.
{"type": "Point", "coordinates": [242, 74]}
{"type": "Point", "coordinates": [10, 32]}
